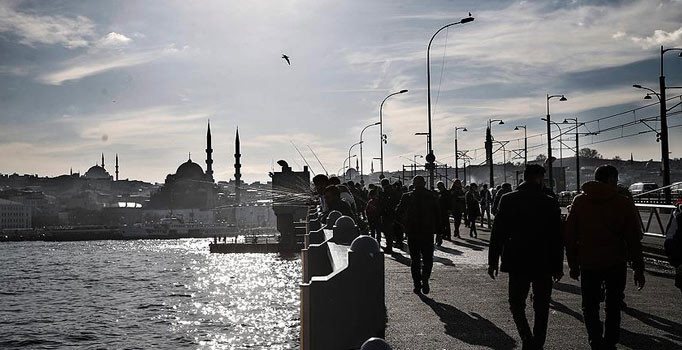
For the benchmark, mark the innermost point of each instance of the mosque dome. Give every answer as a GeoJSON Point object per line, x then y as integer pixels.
{"type": "Point", "coordinates": [97, 172]}
{"type": "Point", "coordinates": [189, 170]}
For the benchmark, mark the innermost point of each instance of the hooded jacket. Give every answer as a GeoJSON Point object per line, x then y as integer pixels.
{"type": "Point", "coordinates": [603, 229]}
{"type": "Point", "coordinates": [527, 233]}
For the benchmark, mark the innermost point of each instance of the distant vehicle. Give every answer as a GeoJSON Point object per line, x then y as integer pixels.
{"type": "Point", "coordinates": [676, 192]}
{"type": "Point", "coordinates": [642, 187]}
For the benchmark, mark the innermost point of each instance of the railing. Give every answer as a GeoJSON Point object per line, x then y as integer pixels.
{"type": "Point", "coordinates": [342, 294]}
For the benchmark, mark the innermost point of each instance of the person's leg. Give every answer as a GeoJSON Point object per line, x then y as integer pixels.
{"type": "Point", "coordinates": [446, 227]}
{"type": "Point", "coordinates": [398, 233]}
{"type": "Point", "coordinates": [473, 231]}
{"type": "Point", "coordinates": [615, 280]}
{"type": "Point", "coordinates": [415, 262]}
{"type": "Point", "coordinates": [542, 294]}
{"type": "Point", "coordinates": [519, 285]}
{"type": "Point", "coordinates": [426, 247]}
{"type": "Point", "coordinates": [590, 284]}
{"type": "Point", "coordinates": [388, 234]}
{"type": "Point", "coordinates": [457, 223]}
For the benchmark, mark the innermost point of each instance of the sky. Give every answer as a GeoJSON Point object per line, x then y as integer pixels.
{"type": "Point", "coordinates": [141, 79]}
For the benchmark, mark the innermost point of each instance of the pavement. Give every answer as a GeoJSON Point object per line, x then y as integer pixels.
{"type": "Point", "coordinates": [466, 309]}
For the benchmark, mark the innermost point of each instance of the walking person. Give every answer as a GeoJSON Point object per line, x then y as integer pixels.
{"type": "Point", "coordinates": [673, 245]}
{"type": "Point", "coordinates": [444, 201]}
{"type": "Point", "coordinates": [387, 202]}
{"type": "Point", "coordinates": [504, 189]}
{"type": "Point", "coordinates": [458, 204]}
{"type": "Point", "coordinates": [527, 234]}
{"type": "Point", "coordinates": [486, 200]}
{"type": "Point", "coordinates": [602, 234]}
{"type": "Point", "coordinates": [471, 199]}
{"type": "Point", "coordinates": [373, 214]}
{"type": "Point", "coordinates": [419, 212]}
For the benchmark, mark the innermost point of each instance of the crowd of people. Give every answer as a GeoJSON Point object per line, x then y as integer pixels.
{"type": "Point", "coordinates": [599, 238]}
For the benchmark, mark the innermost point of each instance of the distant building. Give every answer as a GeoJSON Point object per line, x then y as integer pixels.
{"type": "Point", "coordinates": [14, 215]}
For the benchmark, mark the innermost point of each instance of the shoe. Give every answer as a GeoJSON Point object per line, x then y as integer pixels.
{"type": "Point", "coordinates": [425, 287]}
{"type": "Point", "coordinates": [417, 289]}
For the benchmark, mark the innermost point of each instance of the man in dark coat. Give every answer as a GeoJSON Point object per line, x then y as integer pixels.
{"type": "Point", "coordinates": [444, 201]}
{"type": "Point", "coordinates": [332, 197]}
{"type": "Point", "coordinates": [388, 199]}
{"type": "Point", "coordinates": [673, 245]}
{"type": "Point", "coordinates": [458, 204]}
{"type": "Point", "coordinates": [419, 212]}
{"type": "Point", "coordinates": [603, 233]}
{"type": "Point", "coordinates": [527, 233]}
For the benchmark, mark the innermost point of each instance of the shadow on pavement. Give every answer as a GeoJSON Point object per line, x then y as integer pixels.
{"type": "Point", "coordinates": [444, 261]}
{"type": "Point", "coordinates": [401, 258]}
{"type": "Point", "coordinates": [468, 245]}
{"type": "Point", "coordinates": [472, 329]}
{"type": "Point", "coordinates": [555, 305]}
{"type": "Point", "coordinates": [479, 242]}
{"type": "Point", "coordinates": [673, 328]}
{"type": "Point", "coordinates": [644, 341]}
{"type": "Point", "coordinates": [449, 250]}
{"type": "Point", "coordinates": [567, 288]}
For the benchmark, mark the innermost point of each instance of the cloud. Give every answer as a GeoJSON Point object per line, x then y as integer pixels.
{"type": "Point", "coordinates": [660, 37]}
{"type": "Point", "coordinates": [89, 64]}
{"type": "Point", "coordinates": [71, 33]}
{"type": "Point", "coordinates": [113, 40]}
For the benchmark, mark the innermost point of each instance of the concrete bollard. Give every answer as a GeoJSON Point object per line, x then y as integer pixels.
{"type": "Point", "coordinates": [375, 344]}
{"type": "Point", "coordinates": [345, 230]}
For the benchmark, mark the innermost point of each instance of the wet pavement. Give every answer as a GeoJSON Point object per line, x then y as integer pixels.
{"type": "Point", "coordinates": [466, 309]}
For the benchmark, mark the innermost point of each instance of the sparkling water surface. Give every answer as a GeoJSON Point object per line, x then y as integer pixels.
{"type": "Point", "coordinates": [145, 294]}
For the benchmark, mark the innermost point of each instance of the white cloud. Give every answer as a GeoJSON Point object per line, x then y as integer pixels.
{"type": "Point", "coordinates": [660, 37]}
{"type": "Point", "coordinates": [113, 40]}
{"type": "Point", "coordinates": [71, 33]}
{"type": "Point", "coordinates": [89, 64]}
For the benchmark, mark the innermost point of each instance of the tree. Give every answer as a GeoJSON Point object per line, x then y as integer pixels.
{"type": "Point", "coordinates": [590, 153]}
{"type": "Point", "coordinates": [541, 158]}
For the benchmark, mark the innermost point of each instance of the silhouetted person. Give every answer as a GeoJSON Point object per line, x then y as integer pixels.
{"type": "Point", "coordinates": [332, 196]}
{"type": "Point", "coordinates": [458, 204]}
{"type": "Point", "coordinates": [320, 182]}
{"type": "Point", "coordinates": [485, 199]}
{"type": "Point", "coordinates": [334, 180]}
{"type": "Point", "coordinates": [444, 201]}
{"type": "Point", "coordinates": [473, 211]}
{"type": "Point", "coordinates": [373, 214]}
{"type": "Point", "coordinates": [388, 199]}
{"type": "Point", "coordinates": [419, 212]}
{"type": "Point", "coordinates": [527, 233]}
{"type": "Point", "coordinates": [504, 189]}
{"type": "Point", "coordinates": [398, 229]}
{"type": "Point", "coordinates": [602, 233]}
{"type": "Point", "coordinates": [673, 245]}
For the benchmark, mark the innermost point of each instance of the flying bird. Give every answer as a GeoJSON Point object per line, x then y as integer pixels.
{"type": "Point", "coordinates": [286, 58]}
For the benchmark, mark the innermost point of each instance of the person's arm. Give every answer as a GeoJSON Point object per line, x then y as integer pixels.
{"type": "Point", "coordinates": [557, 242]}
{"type": "Point", "coordinates": [498, 236]}
{"type": "Point", "coordinates": [571, 238]}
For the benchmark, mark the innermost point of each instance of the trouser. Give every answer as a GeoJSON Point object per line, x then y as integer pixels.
{"type": "Point", "coordinates": [458, 222]}
{"type": "Point", "coordinates": [374, 230]}
{"type": "Point", "coordinates": [445, 227]}
{"type": "Point", "coordinates": [421, 256]}
{"type": "Point", "coordinates": [519, 285]}
{"type": "Point", "coordinates": [398, 234]}
{"type": "Point", "coordinates": [485, 209]}
{"type": "Point", "coordinates": [387, 229]}
{"type": "Point", "coordinates": [591, 282]}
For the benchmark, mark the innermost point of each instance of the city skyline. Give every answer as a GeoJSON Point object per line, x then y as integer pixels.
{"type": "Point", "coordinates": [140, 80]}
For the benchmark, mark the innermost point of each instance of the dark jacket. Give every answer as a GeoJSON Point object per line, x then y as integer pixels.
{"type": "Point", "coordinates": [444, 200]}
{"type": "Point", "coordinates": [388, 200]}
{"type": "Point", "coordinates": [341, 206]}
{"type": "Point", "coordinates": [603, 229]}
{"type": "Point", "coordinates": [419, 211]}
{"type": "Point", "coordinates": [471, 199]}
{"type": "Point", "coordinates": [496, 201]}
{"type": "Point", "coordinates": [527, 233]}
{"type": "Point", "coordinates": [458, 204]}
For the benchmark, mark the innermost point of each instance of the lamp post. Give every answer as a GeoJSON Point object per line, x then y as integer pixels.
{"type": "Point", "coordinates": [525, 143]}
{"type": "Point", "coordinates": [430, 157]}
{"type": "Point", "coordinates": [344, 165]}
{"type": "Point", "coordinates": [489, 148]}
{"type": "Point", "coordinates": [665, 152]}
{"type": "Point", "coordinates": [414, 164]}
{"type": "Point", "coordinates": [349, 149]}
{"type": "Point", "coordinates": [362, 179]}
{"type": "Point", "coordinates": [504, 160]}
{"type": "Point", "coordinates": [382, 138]}
{"type": "Point", "coordinates": [456, 155]}
{"type": "Point", "coordinates": [549, 139]}
{"type": "Point", "coordinates": [561, 144]}
{"type": "Point", "coordinates": [427, 139]}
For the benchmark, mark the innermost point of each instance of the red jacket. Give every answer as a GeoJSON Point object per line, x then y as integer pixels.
{"type": "Point", "coordinates": [603, 229]}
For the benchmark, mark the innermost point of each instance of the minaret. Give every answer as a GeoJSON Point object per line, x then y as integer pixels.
{"type": "Point", "coordinates": [371, 170]}
{"type": "Point", "coordinates": [237, 168]}
{"type": "Point", "coordinates": [209, 152]}
{"type": "Point", "coordinates": [116, 166]}
{"type": "Point", "coordinates": [102, 160]}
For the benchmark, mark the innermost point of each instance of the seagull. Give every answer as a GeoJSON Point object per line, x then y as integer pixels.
{"type": "Point", "coordinates": [286, 58]}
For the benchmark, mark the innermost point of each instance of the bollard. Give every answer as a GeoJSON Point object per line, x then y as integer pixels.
{"type": "Point", "coordinates": [332, 217]}
{"type": "Point", "coordinates": [375, 344]}
{"type": "Point", "coordinates": [345, 230]}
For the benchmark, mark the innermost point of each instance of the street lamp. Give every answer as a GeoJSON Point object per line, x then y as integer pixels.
{"type": "Point", "coordinates": [362, 179]}
{"type": "Point", "coordinates": [427, 139]}
{"type": "Point", "coordinates": [489, 148]}
{"type": "Point", "coordinates": [561, 142]}
{"type": "Point", "coordinates": [430, 157]}
{"type": "Point", "coordinates": [504, 160]}
{"type": "Point", "coordinates": [456, 155]}
{"type": "Point", "coordinates": [414, 164]}
{"type": "Point", "coordinates": [351, 147]}
{"type": "Point", "coordinates": [344, 165]}
{"type": "Point", "coordinates": [549, 139]}
{"type": "Point", "coordinates": [525, 143]}
{"type": "Point", "coordinates": [382, 137]}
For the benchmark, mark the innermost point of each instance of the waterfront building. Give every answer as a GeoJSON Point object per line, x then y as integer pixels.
{"type": "Point", "coordinates": [14, 215]}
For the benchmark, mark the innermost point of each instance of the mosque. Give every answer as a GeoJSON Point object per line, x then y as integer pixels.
{"type": "Point", "coordinates": [190, 186]}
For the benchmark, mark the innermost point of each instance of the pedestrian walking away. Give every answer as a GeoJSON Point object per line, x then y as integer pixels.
{"type": "Point", "coordinates": [527, 235]}
{"type": "Point", "coordinates": [458, 204]}
{"type": "Point", "coordinates": [673, 245]}
{"type": "Point", "coordinates": [485, 199]}
{"type": "Point", "coordinates": [444, 201]}
{"type": "Point", "coordinates": [419, 213]}
{"type": "Point", "coordinates": [603, 234]}
{"type": "Point", "coordinates": [472, 210]}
